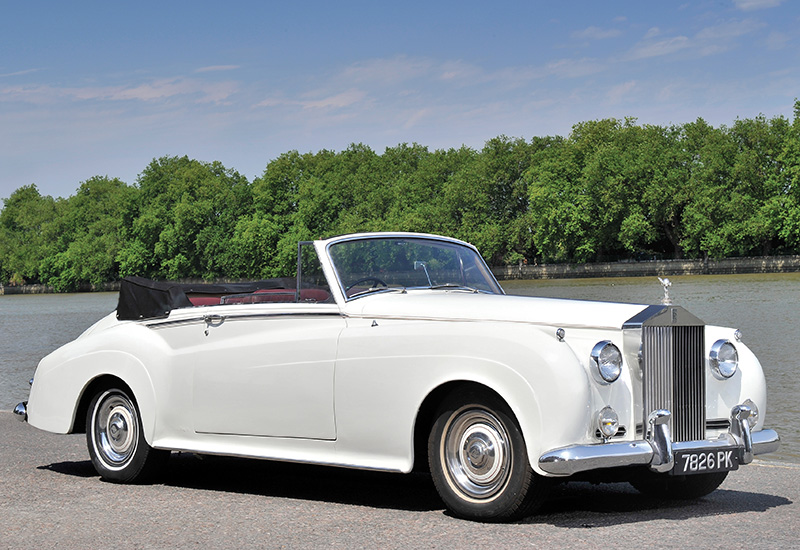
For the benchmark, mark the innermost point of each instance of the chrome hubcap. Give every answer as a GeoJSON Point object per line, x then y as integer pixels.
{"type": "Point", "coordinates": [476, 453]}
{"type": "Point", "coordinates": [116, 429]}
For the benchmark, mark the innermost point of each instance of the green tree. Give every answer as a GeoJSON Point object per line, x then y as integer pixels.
{"type": "Point", "coordinates": [27, 234]}
{"type": "Point", "coordinates": [560, 211]}
{"type": "Point", "coordinates": [736, 191]}
{"type": "Point", "coordinates": [785, 202]}
{"type": "Point", "coordinates": [89, 227]}
{"type": "Point", "coordinates": [182, 219]}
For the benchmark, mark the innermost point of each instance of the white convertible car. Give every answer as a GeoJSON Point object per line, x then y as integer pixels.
{"type": "Point", "coordinates": [396, 351]}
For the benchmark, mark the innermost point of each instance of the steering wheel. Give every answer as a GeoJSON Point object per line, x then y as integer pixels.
{"type": "Point", "coordinates": [364, 280]}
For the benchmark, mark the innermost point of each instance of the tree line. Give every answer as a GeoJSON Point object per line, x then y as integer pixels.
{"type": "Point", "coordinates": [613, 189]}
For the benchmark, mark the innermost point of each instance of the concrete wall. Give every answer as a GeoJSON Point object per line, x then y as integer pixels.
{"type": "Point", "coordinates": [660, 268]}
{"type": "Point", "coordinates": [766, 264]}
{"type": "Point", "coordinates": [44, 289]}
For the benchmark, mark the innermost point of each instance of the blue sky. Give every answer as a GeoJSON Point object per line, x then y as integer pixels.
{"type": "Point", "coordinates": [101, 88]}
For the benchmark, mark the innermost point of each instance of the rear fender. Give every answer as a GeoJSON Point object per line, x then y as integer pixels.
{"type": "Point", "coordinates": [60, 387]}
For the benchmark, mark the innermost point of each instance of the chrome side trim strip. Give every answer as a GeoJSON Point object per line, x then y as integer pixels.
{"type": "Point", "coordinates": [218, 318]}
{"type": "Point", "coordinates": [481, 320]}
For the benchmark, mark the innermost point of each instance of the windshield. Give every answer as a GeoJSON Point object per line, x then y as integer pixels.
{"type": "Point", "coordinates": [375, 264]}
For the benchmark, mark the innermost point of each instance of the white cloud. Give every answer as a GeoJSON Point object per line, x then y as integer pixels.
{"type": "Point", "coordinates": [652, 32]}
{"type": "Point", "coordinates": [337, 101]}
{"type": "Point", "coordinates": [206, 92]}
{"type": "Point", "coordinates": [575, 68]}
{"type": "Point", "coordinates": [777, 40]}
{"type": "Point", "coordinates": [416, 117]}
{"type": "Point", "coordinates": [648, 49]}
{"type": "Point", "coordinates": [217, 68]}
{"type": "Point", "coordinates": [388, 71]}
{"type": "Point", "coordinates": [321, 100]}
{"type": "Point", "coordinates": [595, 33]}
{"type": "Point", "coordinates": [616, 94]}
{"type": "Point", "coordinates": [710, 40]}
{"type": "Point", "coordinates": [19, 73]}
{"type": "Point", "coordinates": [728, 30]}
{"type": "Point", "coordinates": [458, 70]}
{"type": "Point", "coordinates": [750, 5]}
{"type": "Point", "coordinates": [720, 38]}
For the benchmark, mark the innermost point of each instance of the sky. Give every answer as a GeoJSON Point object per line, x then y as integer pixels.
{"type": "Point", "coordinates": [100, 88]}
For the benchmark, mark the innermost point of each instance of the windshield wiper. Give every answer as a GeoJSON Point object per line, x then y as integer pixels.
{"type": "Point", "coordinates": [366, 291]}
{"type": "Point", "coordinates": [454, 286]}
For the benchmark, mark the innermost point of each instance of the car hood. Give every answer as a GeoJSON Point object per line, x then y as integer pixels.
{"type": "Point", "coordinates": [467, 306]}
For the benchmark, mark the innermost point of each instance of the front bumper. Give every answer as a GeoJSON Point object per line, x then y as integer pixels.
{"type": "Point", "coordinates": [658, 450]}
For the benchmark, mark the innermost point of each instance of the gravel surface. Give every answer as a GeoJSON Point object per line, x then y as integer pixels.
{"type": "Point", "coordinates": [51, 497]}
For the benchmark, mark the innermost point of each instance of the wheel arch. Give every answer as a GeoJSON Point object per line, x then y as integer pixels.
{"type": "Point", "coordinates": [426, 415]}
{"type": "Point", "coordinates": [102, 382]}
{"type": "Point", "coordinates": [127, 373]}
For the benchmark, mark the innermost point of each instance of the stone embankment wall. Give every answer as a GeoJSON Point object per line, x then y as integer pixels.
{"type": "Point", "coordinates": [660, 268]}
{"type": "Point", "coordinates": [44, 289]}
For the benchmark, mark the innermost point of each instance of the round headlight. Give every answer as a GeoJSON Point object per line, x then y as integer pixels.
{"type": "Point", "coordinates": [607, 362]}
{"type": "Point", "coordinates": [608, 422]}
{"type": "Point", "coordinates": [724, 359]}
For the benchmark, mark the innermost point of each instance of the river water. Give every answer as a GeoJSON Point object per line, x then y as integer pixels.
{"type": "Point", "coordinates": [764, 307]}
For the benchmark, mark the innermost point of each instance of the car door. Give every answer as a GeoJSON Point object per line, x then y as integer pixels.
{"type": "Point", "coordinates": [260, 369]}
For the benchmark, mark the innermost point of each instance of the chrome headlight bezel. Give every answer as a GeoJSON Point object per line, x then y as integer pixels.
{"type": "Point", "coordinates": [606, 359]}
{"type": "Point", "coordinates": [607, 423]}
{"type": "Point", "coordinates": [723, 359]}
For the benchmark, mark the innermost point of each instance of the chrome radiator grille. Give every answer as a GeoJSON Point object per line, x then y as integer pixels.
{"type": "Point", "coordinates": [673, 371]}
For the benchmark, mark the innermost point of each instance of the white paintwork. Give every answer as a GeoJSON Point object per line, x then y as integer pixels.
{"type": "Point", "coordinates": [343, 383]}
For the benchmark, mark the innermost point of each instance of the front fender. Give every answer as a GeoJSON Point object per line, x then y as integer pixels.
{"type": "Point", "coordinates": [385, 372]}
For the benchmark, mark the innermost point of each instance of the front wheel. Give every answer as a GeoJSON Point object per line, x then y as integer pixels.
{"type": "Point", "coordinates": [479, 461]}
{"type": "Point", "coordinates": [116, 441]}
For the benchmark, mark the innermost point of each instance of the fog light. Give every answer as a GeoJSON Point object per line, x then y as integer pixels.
{"type": "Point", "coordinates": [753, 418]}
{"type": "Point", "coordinates": [608, 422]}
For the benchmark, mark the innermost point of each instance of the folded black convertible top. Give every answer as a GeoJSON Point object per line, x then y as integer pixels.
{"type": "Point", "coordinates": [141, 298]}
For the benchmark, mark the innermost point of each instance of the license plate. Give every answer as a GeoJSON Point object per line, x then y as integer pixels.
{"type": "Point", "coordinates": [705, 462]}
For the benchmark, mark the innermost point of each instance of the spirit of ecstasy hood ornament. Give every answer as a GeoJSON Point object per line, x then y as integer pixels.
{"type": "Point", "coordinates": [666, 283]}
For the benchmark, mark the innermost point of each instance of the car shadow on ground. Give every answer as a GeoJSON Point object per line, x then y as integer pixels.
{"type": "Point", "coordinates": [570, 505]}
{"type": "Point", "coordinates": [412, 492]}
{"type": "Point", "coordinates": [586, 505]}
{"type": "Point", "coordinates": [81, 468]}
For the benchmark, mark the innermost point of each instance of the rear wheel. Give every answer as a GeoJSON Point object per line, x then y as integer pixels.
{"type": "Point", "coordinates": [479, 461]}
{"type": "Point", "coordinates": [679, 487]}
{"type": "Point", "coordinates": [116, 441]}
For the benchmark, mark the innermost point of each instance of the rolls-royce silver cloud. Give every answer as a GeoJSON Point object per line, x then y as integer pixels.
{"type": "Point", "coordinates": [400, 351]}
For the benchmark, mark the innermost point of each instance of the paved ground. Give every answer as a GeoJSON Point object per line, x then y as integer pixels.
{"type": "Point", "coordinates": [50, 497]}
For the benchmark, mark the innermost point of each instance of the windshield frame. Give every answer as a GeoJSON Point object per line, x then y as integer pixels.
{"type": "Point", "coordinates": [462, 248]}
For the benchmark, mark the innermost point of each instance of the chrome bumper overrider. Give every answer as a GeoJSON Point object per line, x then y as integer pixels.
{"type": "Point", "coordinates": [658, 450]}
{"type": "Point", "coordinates": [21, 410]}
